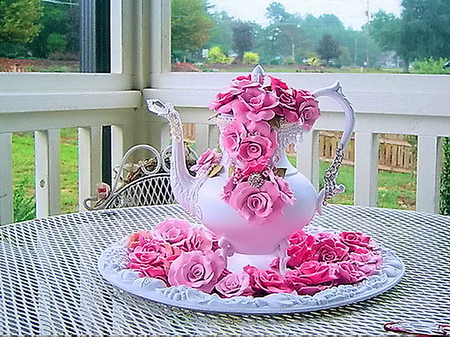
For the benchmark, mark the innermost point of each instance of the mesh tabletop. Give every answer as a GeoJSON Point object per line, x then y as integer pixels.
{"type": "Point", "coordinates": [50, 284]}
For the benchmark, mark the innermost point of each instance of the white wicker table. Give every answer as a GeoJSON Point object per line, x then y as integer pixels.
{"type": "Point", "coordinates": [49, 282]}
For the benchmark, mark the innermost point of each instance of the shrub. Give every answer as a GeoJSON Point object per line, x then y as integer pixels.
{"type": "Point", "coordinates": [430, 66]}
{"type": "Point", "coordinates": [24, 207]}
{"type": "Point", "coordinates": [445, 178]}
{"type": "Point", "coordinates": [216, 55]}
{"type": "Point", "coordinates": [251, 58]}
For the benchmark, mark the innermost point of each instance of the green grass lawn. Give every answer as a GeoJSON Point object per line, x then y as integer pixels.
{"type": "Point", "coordinates": [23, 166]}
{"type": "Point", "coordinates": [396, 190]}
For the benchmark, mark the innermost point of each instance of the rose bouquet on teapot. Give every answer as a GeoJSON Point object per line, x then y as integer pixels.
{"type": "Point", "coordinates": [252, 203]}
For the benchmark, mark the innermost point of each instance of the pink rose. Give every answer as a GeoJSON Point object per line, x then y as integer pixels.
{"type": "Point", "coordinates": [222, 102]}
{"type": "Point", "coordinates": [234, 285]}
{"type": "Point", "coordinates": [367, 262]}
{"type": "Point", "coordinates": [231, 137]}
{"type": "Point", "coordinates": [207, 161]}
{"type": "Point", "coordinates": [285, 191]}
{"type": "Point", "coordinates": [198, 270]}
{"type": "Point", "coordinates": [173, 231]}
{"type": "Point", "coordinates": [267, 281]}
{"type": "Point", "coordinates": [139, 239]}
{"type": "Point", "coordinates": [200, 239]}
{"type": "Point", "coordinates": [255, 104]}
{"type": "Point", "coordinates": [329, 250]}
{"type": "Point", "coordinates": [148, 261]}
{"type": "Point", "coordinates": [253, 167]}
{"type": "Point", "coordinates": [250, 141]}
{"type": "Point", "coordinates": [103, 191]}
{"type": "Point", "coordinates": [301, 238]}
{"type": "Point", "coordinates": [228, 189]}
{"type": "Point", "coordinates": [355, 240]}
{"type": "Point", "coordinates": [309, 112]}
{"type": "Point", "coordinates": [348, 272]}
{"type": "Point", "coordinates": [257, 204]}
{"type": "Point", "coordinates": [256, 148]}
{"type": "Point", "coordinates": [287, 102]}
{"type": "Point", "coordinates": [224, 99]}
{"type": "Point", "coordinates": [311, 277]}
{"type": "Point", "coordinates": [298, 254]}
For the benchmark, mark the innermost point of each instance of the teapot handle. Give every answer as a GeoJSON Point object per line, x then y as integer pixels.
{"type": "Point", "coordinates": [330, 185]}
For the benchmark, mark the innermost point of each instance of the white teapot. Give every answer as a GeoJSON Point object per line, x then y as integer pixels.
{"type": "Point", "coordinates": [248, 193]}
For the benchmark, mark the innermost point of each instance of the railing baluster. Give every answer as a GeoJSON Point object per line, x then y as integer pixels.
{"type": "Point", "coordinates": [6, 182]}
{"type": "Point", "coordinates": [117, 149]}
{"type": "Point", "coordinates": [89, 162]}
{"type": "Point", "coordinates": [429, 165]}
{"type": "Point", "coordinates": [366, 169]}
{"type": "Point", "coordinates": [47, 163]}
{"type": "Point", "coordinates": [308, 157]}
{"type": "Point", "coordinates": [204, 137]}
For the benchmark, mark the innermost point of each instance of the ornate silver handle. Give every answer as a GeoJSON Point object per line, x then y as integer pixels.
{"type": "Point", "coordinates": [331, 187]}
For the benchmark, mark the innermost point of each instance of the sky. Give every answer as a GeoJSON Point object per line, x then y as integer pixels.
{"type": "Point", "coordinates": [351, 12]}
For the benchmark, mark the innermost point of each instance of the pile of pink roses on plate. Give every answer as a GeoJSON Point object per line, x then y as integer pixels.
{"type": "Point", "coordinates": [255, 188]}
{"type": "Point", "coordinates": [181, 254]}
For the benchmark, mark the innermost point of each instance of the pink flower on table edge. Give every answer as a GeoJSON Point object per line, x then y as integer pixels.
{"type": "Point", "coordinates": [348, 272]}
{"type": "Point", "coordinates": [200, 239]}
{"type": "Point", "coordinates": [173, 231]}
{"type": "Point", "coordinates": [311, 277]}
{"type": "Point", "coordinates": [298, 254]}
{"type": "Point", "coordinates": [368, 262]}
{"type": "Point", "coordinates": [267, 281]}
{"type": "Point", "coordinates": [103, 191]}
{"type": "Point", "coordinates": [301, 238]}
{"type": "Point", "coordinates": [329, 250]}
{"type": "Point", "coordinates": [257, 205]}
{"type": "Point", "coordinates": [198, 270]}
{"type": "Point", "coordinates": [207, 161]}
{"type": "Point", "coordinates": [139, 238]}
{"type": "Point", "coordinates": [355, 240]}
{"type": "Point", "coordinates": [148, 262]}
{"type": "Point", "coordinates": [234, 285]}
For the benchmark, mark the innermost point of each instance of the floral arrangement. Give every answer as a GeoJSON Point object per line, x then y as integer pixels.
{"type": "Point", "coordinates": [180, 254]}
{"type": "Point", "coordinates": [255, 187]}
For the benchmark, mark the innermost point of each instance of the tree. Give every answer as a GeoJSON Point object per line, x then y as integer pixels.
{"type": "Point", "coordinates": [221, 32]}
{"type": "Point", "coordinates": [328, 48]}
{"type": "Point", "coordinates": [276, 13]}
{"type": "Point", "coordinates": [243, 38]}
{"type": "Point", "coordinates": [18, 23]}
{"type": "Point", "coordinates": [191, 25]}
{"type": "Point", "coordinates": [422, 31]}
{"type": "Point", "coordinates": [18, 20]}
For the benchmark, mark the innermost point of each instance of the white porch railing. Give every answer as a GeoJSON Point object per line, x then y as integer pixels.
{"type": "Point", "coordinates": [399, 104]}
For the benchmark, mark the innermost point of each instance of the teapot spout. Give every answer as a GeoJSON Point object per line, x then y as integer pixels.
{"type": "Point", "coordinates": [184, 185]}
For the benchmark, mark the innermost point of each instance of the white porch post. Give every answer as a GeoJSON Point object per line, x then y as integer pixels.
{"type": "Point", "coordinates": [366, 169]}
{"type": "Point", "coordinates": [89, 162]}
{"type": "Point", "coordinates": [308, 157]}
{"type": "Point", "coordinates": [6, 180]}
{"type": "Point", "coordinates": [205, 137]}
{"type": "Point", "coordinates": [47, 163]}
{"type": "Point", "coordinates": [429, 164]}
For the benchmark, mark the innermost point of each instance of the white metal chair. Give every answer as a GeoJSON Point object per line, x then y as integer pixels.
{"type": "Point", "coordinates": [144, 183]}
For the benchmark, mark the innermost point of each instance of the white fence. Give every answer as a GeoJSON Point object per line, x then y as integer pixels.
{"type": "Point", "coordinates": [399, 104]}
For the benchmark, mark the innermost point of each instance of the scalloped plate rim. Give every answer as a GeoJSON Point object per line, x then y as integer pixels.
{"type": "Point", "coordinates": [232, 308]}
